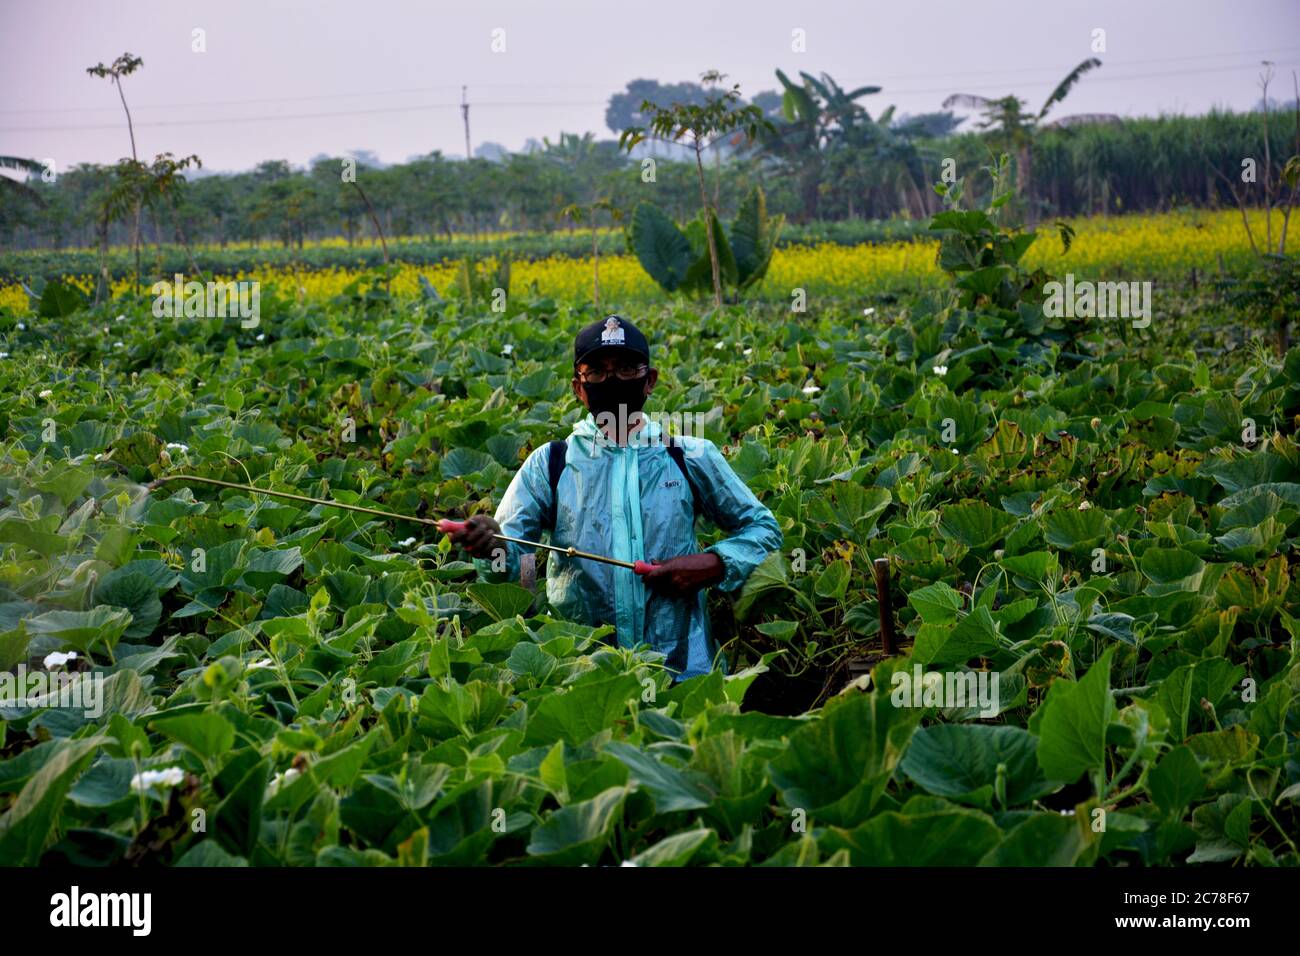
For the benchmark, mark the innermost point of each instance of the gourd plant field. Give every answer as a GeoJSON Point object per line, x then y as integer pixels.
{"type": "Point", "coordinates": [1101, 517]}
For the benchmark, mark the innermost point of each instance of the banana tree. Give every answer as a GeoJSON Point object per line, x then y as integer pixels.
{"type": "Point", "coordinates": [819, 116]}
{"type": "Point", "coordinates": [681, 260]}
{"type": "Point", "coordinates": [1016, 129]}
{"type": "Point", "coordinates": [16, 187]}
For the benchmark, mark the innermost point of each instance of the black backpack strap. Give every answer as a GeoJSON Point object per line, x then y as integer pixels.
{"type": "Point", "coordinates": [678, 455]}
{"type": "Point", "coordinates": [557, 450]}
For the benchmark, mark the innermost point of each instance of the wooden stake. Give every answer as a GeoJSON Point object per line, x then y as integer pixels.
{"type": "Point", "coordinates": [880, 568]}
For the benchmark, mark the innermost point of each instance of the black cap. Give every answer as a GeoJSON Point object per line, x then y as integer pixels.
{"type": "Point", "coordinates": [611, 332]}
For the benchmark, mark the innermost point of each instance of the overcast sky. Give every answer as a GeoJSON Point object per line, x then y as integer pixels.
{"type": "Point", "coordinates": [289, 79]}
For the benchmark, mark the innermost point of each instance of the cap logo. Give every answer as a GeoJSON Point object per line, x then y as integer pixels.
{"type": "Point", "coordinates": [612, 334]}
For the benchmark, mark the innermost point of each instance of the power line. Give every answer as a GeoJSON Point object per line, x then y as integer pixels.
{"type": "Point", "coordinates": [291, 116]}
{"type": "Point", "coordinates": [602, 86]}
{"type": "Point", "coordinates": [280, 117]}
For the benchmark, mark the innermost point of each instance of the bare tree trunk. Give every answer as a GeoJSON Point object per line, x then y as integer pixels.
{"type": "Point", "coordinates": [180, 234]}
{"type": "Point", "coordinates": [373, 218]}
{"type": "Point", "coordinates": [595, 261]}
{"type": "Point", "coordinates": [708, 228]}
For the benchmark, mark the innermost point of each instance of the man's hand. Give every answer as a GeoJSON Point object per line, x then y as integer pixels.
{"type": "Point", "coordinates": [477, 537]}
{"type": "Point", "coordinates": [683, 576]}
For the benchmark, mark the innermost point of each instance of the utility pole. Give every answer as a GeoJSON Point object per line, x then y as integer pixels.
{"type": "Point", "coordinates": [464, 112]}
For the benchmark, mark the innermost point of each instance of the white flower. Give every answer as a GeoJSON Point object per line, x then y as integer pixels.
{"type": "Point", "coordinates": [148, 779]}
{"type": "Point", "coordinates": [4, 355]}
{"type": "Point", "coordinates": [282, 780]}
{"type": "Point", "coordinates": [407, 543]}
{"type": "Point", "coordinates": [811, 389]}
{"type": "Point", "coordinates": [22, 327]}
{"type": "Point", "coordinates": [719, 345]}
{"type": "Point", "coordinates": [117, 345]}
{"type": "Point", "coordinates": [868, 311]}
{"type": "Point", "coordinates": [264, 663]}
{"type": "Point", "coordinates": [941, 370]}
{"type": "Point", "coordinates": [46, 393]}
{"type": "Point", "coordinates": [58, 659]}
{"type": "Point", "coordinates": [177, 446]}
{"type": "Point", "coordinates": [1084, 506]}
{"type": "Point", "coordinates": [261, 337]}
{"type": "Point", "coordinates": [120, 318]}
{"type": "Point", "coordinates": [507, 349]}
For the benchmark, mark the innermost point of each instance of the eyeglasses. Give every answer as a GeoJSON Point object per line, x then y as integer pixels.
{"type": "Point", "coordinates": [627, 373]}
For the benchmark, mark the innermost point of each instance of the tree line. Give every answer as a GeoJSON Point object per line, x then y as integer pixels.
{"type": "Point", "coordinates": [824, 157]}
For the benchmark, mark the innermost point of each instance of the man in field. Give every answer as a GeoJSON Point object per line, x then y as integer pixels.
{"type": "Point", "coordinates": [619, 486]}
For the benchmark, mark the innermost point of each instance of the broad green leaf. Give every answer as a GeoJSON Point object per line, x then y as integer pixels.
{"type": "Point", "coordinates": [579, 832]}
{"type": "Point", "coordinates": [954, 837]}
{"type": "Point", "coordinates": [1176, 782]}
{"type": "Point", "coordinates": [836, 768]}
{"type": "Point", "coordinates": [977, 764]}
{"type": "Point", "coordinates": [1072, 731]}
{"type": "Point", "coordinates": [207, 734]}
{"type": "Point", "coordinates": [500, 601]}
{"type": "Point", "coordinates": [82, 629]}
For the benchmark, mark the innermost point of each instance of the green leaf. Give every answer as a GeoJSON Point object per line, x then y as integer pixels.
{"type": "Point", "coordinates": [1044, 839]}
{"type": "Point", "coordinates": [769, 576]}
{"type": "Point", "coordinates": [576, 714]}
{"type": "Point", "coordinates": [678, 849]}
{"type": "Point", "coordinates": [836, 767]}
{"type": "Point", "coordinates": [950, 837]}
{"type": "Point", "coordinates": [500, 601]}
{"type": "Point", "coordinates": [936, 603]}
{"type": "Point", "coordinates": [662, 249]}
{"type": "Point", "coordinates": [578, 833]}
{"type": "Point", "coordinates": [1072, 731]}
{"type": "Point", "coordinates": [833, 580]}
{"type": "Point", "coordinates": [136, 593]}
{"type": "Point", "coordinates": [1076, 531]}
{"type": "Point", "coordinates": [1176, 782]}
{"type": "Point", "coordinates": [975, 635]}
{"type": "Point", "coordinates": [975, 524]}
{"type": "Point", "coordinates": [971, 762]}
{"type": "Point", "coordinates": [464, 461]}
{"type": "Point", "coordinates": [207, 734]}
{"type": "Point", "coordinates": [26, 826]}
{"type": "Point", "coordinates": [671, 788]}
{"type": "Point", "coordinates": [209, 853]}
{"type": "Point", "coordinates": [82, 629]}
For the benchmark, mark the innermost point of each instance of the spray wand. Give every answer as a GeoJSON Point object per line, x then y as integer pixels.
{"type": "Point", "coordinates": [445, 525]}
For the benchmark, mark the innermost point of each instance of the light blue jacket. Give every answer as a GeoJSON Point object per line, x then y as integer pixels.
{"type": "Point", "coordinates": [630, 502]}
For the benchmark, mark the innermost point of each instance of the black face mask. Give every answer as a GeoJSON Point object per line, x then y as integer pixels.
{"type": "Point", "coordinates": [613, 392]}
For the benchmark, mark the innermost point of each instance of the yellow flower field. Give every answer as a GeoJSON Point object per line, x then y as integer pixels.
{"type": "Point", "coordinates": [1149, 246]}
